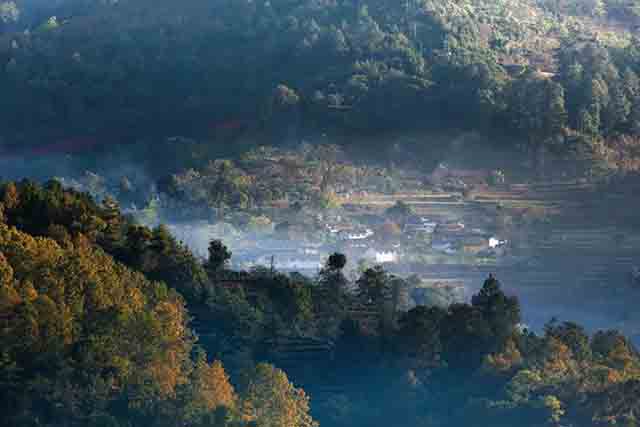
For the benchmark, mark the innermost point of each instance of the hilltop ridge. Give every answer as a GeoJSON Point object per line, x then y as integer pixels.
{"type": "Point", "coordinates": [559, 76]}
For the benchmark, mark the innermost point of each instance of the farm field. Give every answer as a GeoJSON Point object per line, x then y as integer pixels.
{"type": "Point", "coordinates": [572, 263]}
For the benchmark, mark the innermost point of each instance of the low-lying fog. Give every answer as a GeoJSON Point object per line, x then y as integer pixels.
{"type": "Point", "coordinates": [592, 290]}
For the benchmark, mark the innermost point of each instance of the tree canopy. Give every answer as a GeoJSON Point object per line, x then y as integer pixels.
{"type": "Point", "coordinates": [88, 73]}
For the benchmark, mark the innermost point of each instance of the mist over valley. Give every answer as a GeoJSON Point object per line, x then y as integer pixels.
{"type": "Point", "coordinates": [303, 213]}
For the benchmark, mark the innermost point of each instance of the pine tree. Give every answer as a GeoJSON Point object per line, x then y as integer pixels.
{"type": "Point", "coordinates": [219, 256]}
{"type": "Point", "coordinates": [270, 400]}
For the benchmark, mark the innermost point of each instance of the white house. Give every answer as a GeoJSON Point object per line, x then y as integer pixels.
{"type": "Point", "coordinates": [382, 256]}
{"type": "Point", "coordinates": [386, 257]}
{"type": "Point", "coordinates": [357, 235]}
{"type": "Point", "coordinates": [496, 243]}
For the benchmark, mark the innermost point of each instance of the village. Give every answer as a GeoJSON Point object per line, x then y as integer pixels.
{"type": "Point", "coordinates": [447, 229]}
{"type": "Point", "coordinates": [426, 225]}
{"type": "Point", "coordinates": [447, 225]}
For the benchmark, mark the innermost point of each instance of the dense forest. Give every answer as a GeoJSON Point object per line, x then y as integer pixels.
{"type": "Point", "coordinates": [97, 329]}
{"type": "Point", "coordinates": [87, 340]}
{"type": "Point", "coordinates": [560, 76]}
{"type": "Point", "coordinates": [228, 110]}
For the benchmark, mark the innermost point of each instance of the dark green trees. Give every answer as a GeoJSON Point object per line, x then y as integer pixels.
{"type": "Point", "coordinates": [87, 340]}
{"type": "Point", "coordinates": [537, 109]}
{"type": "Point", "coordinates": [80, 330]}
{"type": "Point", "coordinates": [219, 256]}
{"type": "Point", "coordinates": [353, 65]}
{"type": "Point", "coordinates": [331, 297]}
{"type": "Point", "coordinates": [373, 284]}
{"type": "Point", "coordinates": [500, 311]}
{"type": "Point", "coordinates": [332, 277]}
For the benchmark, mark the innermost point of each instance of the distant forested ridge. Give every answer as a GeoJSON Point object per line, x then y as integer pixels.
{"type": "Point", "coordinates": [86, 340]}
{"type": "Point", "coordinates": [560, 75]}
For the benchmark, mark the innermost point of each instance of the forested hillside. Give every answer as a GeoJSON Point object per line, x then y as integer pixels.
{"type": "Point", "coordinates": [556, 74]}
{"type": "Point", "coordinates": [260, 116]}
{"type": "Point", "coordinates": [89, 341]}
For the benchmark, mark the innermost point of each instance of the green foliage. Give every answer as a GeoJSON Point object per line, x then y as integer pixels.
{"type": "Point", "coordinates": [537, 107]}
{"type": "Point", "coordinates": [290, 301]}
{"type": "Point", "coordinates": [82, 330]}
{"type": "Point", "coordinates": [87, 340]}
{"type": "Point", "coordinates": [219, 257]}
{"type": "Point", "coordinates": [418, 335]}
{"type": "Point", "coordinates": [272, 401]}
{"type": "Point", "coordinates": [351, 66]}
{"type": "Point", "coordinates": [55, 212]}
{"type": "Point", "coordinates": [267, 176]}
{"type": "Point", "coordinates": [502, 312]}
{"type": "Point", "coordinates": [374, 284]}
{"type": "Point", "coordinates": [9, 12]}
{"type": "Point", "coordinates": [336, 262]}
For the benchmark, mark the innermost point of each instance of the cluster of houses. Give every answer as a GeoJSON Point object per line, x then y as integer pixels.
{"type": "Point", "coordinates": [444, 237]}
{"type": "Point", "coordinates": [371, 237]}
{"type": "Point", "coordinates": [455, 238]}
{"type": "Point", "coordinates": [372, 243]}
{"type": "Point", "coordinates": [348, 233]}
{"type": "Point", "coordinates": [283, 255]}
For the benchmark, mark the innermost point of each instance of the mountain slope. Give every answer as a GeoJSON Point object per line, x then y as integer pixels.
{"type": "Point", "coordinates": [280, 69]}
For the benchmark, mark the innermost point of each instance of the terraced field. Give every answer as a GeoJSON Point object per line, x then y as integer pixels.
{"type": "Point", "coordinates": [575, 265]}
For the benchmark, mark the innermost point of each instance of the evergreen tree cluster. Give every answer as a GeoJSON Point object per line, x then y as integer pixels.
{"type": "Point", "coordinates": [92, 332]}
{"type": "Point", "coordinates": [102, 72]}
